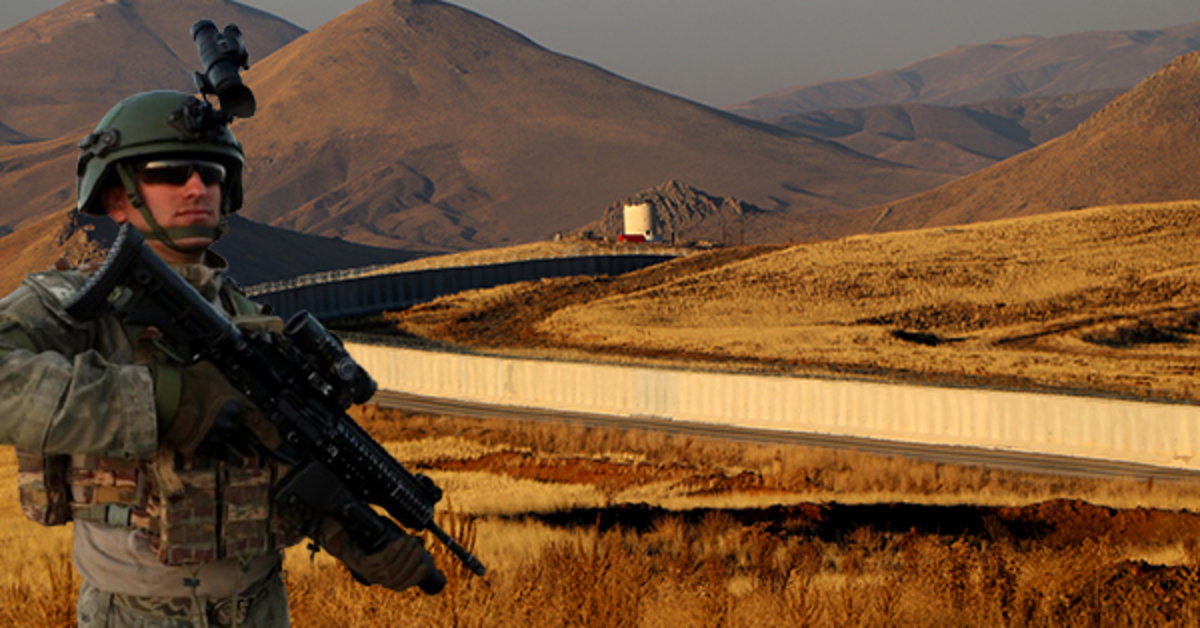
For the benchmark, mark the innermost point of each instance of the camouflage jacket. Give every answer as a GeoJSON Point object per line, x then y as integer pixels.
{"type": "Point", "coordinates": [68, 387]}
{"type": "Point", "coordinates": [77, 400]}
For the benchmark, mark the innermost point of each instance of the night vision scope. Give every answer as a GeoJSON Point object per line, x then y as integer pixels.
{"type": "Point", "coordinates": [223, 56]}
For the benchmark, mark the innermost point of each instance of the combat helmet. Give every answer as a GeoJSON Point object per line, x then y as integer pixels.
{"type": "Point", "coordinates": [155, 125]}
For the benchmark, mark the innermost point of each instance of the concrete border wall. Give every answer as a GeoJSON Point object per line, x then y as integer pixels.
{"type": "Point", "coordinates": [1166, 435]}
{"type": "Point", "coordinates": [359, 296]}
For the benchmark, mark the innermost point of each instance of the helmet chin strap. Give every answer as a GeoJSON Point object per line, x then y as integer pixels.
{"type": "Point", "coordinates": [168, 236]}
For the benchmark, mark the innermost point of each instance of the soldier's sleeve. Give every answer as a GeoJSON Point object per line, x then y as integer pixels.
{"type": "Point", "coordinates": [58, 395]}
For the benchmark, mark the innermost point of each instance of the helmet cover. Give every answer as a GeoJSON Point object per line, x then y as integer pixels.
{"type": "Point", "coordinates": [154, 125]}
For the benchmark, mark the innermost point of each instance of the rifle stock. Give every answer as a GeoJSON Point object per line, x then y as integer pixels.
{"type": "Point", "coordinates": [338, 469]}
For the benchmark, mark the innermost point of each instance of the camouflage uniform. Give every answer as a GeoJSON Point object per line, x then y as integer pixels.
{"type": "Point", "coordinates": [165, 535]}
{"type": "Point", "coordinates": [268, 607]}
{"type": "Point", "coordinates": [150, 554]}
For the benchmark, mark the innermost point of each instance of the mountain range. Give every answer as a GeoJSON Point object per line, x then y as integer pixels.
{"type": "Point", "coordinates": [421, 127]}
{"type": "Point", "coordinates": [256, 253]}
{"type": "Point", "coordinates": [1017, 67]}
{"type": "Point", "coordinates": [956, 140]}
{"type": "Point", "coordinates": [1141, 148]}
{"type": "Point", "coordinates": [425, 126]}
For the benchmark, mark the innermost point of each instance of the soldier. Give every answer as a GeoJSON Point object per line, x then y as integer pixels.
{"type": "Point", "coordinates": [173, 521]}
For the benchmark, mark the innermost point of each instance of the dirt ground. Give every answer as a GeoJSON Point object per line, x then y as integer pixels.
{"type": "Point", "coordinates": [1102, 300]}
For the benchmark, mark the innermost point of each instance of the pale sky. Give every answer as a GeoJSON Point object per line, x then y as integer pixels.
{"type": "Point", "coordinates": [722, 52]}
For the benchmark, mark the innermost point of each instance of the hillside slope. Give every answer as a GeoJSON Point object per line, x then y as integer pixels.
{"type": "Point", "coordinates": [65, 67]}
{"type": "Point", "coordinates": [1140, 148]}
{"type": "Point", "coordinates": [422, 125]}
{"type": "Point", "coordinates": [1007, 68]}
{"type": "Point", "coordinates": [956, 140]}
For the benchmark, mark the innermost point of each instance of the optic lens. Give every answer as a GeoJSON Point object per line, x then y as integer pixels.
{"type": "Point", "coordinates": [175, 172]}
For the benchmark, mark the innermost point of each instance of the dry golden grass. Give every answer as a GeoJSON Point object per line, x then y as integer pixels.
{"type": "Point", "coordinates": [1093, 299]}
{"type": "Point", "coordinates": [720, 567]}
{"type": "Point", "coordinates": [37, 575]}
{"type": "Point", "coordinates": [1019, 557]}
{"type": "Point", "coordinates": [498, 467]}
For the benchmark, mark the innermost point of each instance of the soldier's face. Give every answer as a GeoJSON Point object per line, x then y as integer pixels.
{"type": "Point", "coordinates": [184, 197]}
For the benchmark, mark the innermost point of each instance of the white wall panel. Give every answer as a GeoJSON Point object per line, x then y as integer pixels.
{"type": "Point", "coordinates": [1150, 433]}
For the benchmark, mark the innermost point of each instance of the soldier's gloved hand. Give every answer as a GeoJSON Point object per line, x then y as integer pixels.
{"type": "Point", "coordinates": [402, 563]}
{"type": "Point", "coordinates": [191, 401]}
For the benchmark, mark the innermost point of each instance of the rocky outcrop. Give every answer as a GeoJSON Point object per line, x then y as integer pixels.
{"type": "Point", "coordinates": [682, 214]}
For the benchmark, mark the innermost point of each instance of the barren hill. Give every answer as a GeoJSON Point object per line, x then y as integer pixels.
{"type": "Point", "coordinates": [423, 125]}
{"type": "Point", "coordinates": [38, 178]}
{"type": "Point", "coordinates": [1140, 148]}
{"type": "Point", "coordinates": [957, 140]}
{"type": "Point", "coordinates": [9, 136]}
{"type": "Point", "coordinates": [65, 67]}
{"type": "Point", "coordinates": [1106, 299]}
{"type": "Point", "coordinates": [1007, 68]}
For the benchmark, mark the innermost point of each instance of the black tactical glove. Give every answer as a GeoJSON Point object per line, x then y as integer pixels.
{"type": "Point", "coordinates": [402, 563]}
{"type": "Point", "coordinates": [191, 401]}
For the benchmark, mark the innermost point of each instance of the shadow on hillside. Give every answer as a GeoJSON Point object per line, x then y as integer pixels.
{"type": "Point", "coordinates": [1055, 522]}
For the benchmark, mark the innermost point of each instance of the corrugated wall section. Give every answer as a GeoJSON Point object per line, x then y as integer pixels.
{"type": "Point", "coordinates": [1148, 433]}
{"type": "Point", "coordinates": [360, 296]}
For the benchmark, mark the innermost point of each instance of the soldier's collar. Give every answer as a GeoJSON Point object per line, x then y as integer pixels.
{"type": "Point", "coordinates": [206, 276]}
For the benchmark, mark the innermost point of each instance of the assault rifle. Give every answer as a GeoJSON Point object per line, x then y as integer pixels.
{"type": "Point", "coordinates": [302, 380]}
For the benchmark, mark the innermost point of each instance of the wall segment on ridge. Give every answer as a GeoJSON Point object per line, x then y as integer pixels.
{"type": "Point", "coordinates": [338, 297]}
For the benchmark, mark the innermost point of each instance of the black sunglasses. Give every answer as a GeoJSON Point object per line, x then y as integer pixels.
{"type": "Point", "coordinates": [177, 172]}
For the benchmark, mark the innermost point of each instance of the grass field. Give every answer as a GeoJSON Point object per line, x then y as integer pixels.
{"type": "Point", "coordinates": [595, 527]}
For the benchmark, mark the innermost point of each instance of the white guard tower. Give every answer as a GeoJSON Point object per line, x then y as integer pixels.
{"type": "Point", "coordinates": [639, 223]}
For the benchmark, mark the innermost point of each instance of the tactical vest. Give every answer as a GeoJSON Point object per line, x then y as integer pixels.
{"type": "Point", "coordinates": [210, 506]}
